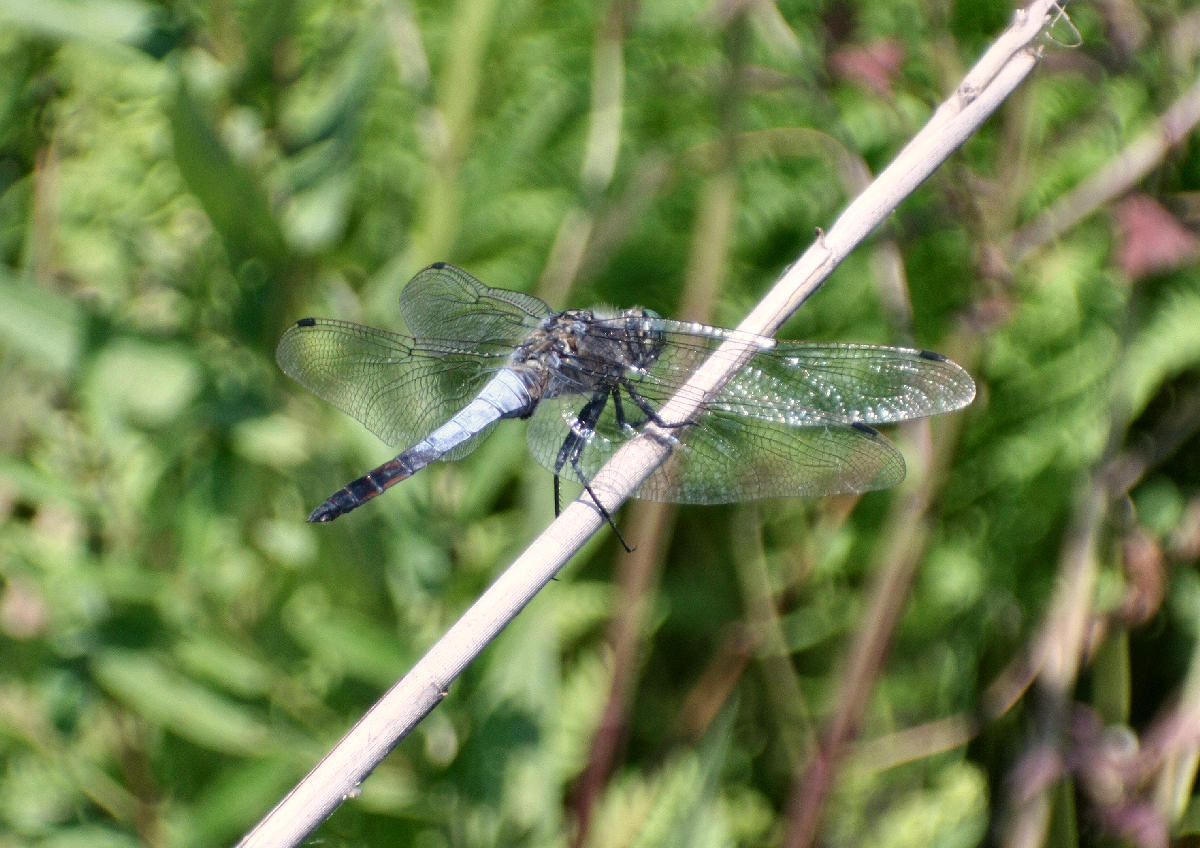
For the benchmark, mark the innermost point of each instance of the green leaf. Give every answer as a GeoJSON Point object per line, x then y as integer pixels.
{"type": "Point", "coordinates": [163, 696]}
{"type": "Point", "coordinates": [117, 21]}
{"type": "Point", "coordinates": [228, 191]}
{"type": "Point", "coordinates": [45, 328]}
{"type": "Point", "coordinates": [1166, 346]}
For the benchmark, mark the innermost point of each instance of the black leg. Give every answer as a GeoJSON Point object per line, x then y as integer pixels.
{"type": "Point", "coordinates": [573, 444]}
{"type": "Point", "coordinates": [619, 410]}
{"type": "Point", "coordinates": [604, 513]}
{"type": "Point", "coordinates": [643, 403]}
{"type": "Point", "coordinates": [572, 450]}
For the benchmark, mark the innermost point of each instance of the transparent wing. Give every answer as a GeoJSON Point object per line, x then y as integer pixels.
{"type": "Point", "coordinates": [403, 387]}
{"type": "Point", "coordinates": [400, 388]}
{"type": "Point", "coordinates": [446, 303]}
{"type": "Point", "coordinates": [785, 425]}
{"type": "Point", "coordinates": [811, 382]}
{"type": "Point", "coordinates": [726, 457]}
{"type": "Point", "coordinates": [867, 383]}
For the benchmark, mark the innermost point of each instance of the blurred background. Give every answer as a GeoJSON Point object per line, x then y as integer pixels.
{"type": "Point", "coordinates": [1003, 646]}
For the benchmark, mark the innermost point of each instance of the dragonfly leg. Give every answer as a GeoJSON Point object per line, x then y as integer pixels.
{"type": "Point", "coordinates": [572, 450]}
{"type": "Point", "coordinates": [576, 440]}
{"type": "Point", "coordinates": [643, 403]}
{"type": "Point", "coordinates": [604, 513]}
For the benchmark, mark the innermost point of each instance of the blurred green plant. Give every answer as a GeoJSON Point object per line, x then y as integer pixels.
{"type": "Point", "coordinates": [180, 181]}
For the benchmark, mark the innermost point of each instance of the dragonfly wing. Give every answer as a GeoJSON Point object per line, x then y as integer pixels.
{"type": "Point", "coordinates": [811, 383]}
{"type": "Point", "coordinates": [727, 457]}
{"type": "Point", "coordinates": [400, 388]}
{"type": "Point", "coordinates": [791, 422]}
{"type": "Point", "coordinates": [868, 383]}
{"type": "Point", "coordinates": [446, 303]}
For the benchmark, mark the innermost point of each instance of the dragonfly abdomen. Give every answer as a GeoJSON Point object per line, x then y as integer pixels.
{"type": "Point", "coordinates": [505, 396]}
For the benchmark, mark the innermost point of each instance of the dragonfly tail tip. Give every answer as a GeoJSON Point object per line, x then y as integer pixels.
{"type": "Point", "coordinates": [323, 514]}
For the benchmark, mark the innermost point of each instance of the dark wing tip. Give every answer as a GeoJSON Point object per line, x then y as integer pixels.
{"type": "Point", "coordinates": [306, 322]}
{"type": "Point", "coordinates": [865, 428]}
{"type": "Point", "coordinates": [965, 383]}
{"type": "Point", "coordinates": [438, 265]}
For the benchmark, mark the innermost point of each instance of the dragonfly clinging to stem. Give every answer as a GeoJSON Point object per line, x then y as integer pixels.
{"type": "Point", "coordinates": [796, 420]}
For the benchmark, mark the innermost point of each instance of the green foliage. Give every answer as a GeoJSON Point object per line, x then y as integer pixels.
{"type": "Point", "coordinates": [181, 181]}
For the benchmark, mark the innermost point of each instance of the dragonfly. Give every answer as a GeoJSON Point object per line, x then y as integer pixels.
{"type": "Point", "coordinates": [797, 420]}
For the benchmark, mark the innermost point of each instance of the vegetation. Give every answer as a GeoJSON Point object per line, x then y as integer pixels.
{"type": "Point", "coordinates": [179, 181]}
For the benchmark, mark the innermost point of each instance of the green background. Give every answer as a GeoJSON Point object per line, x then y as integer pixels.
{"type": "Point", "coordinates": [179, 181]}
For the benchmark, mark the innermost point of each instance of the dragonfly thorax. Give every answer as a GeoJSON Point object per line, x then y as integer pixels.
{"type": "Point", "coordinates": [579, 351]}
